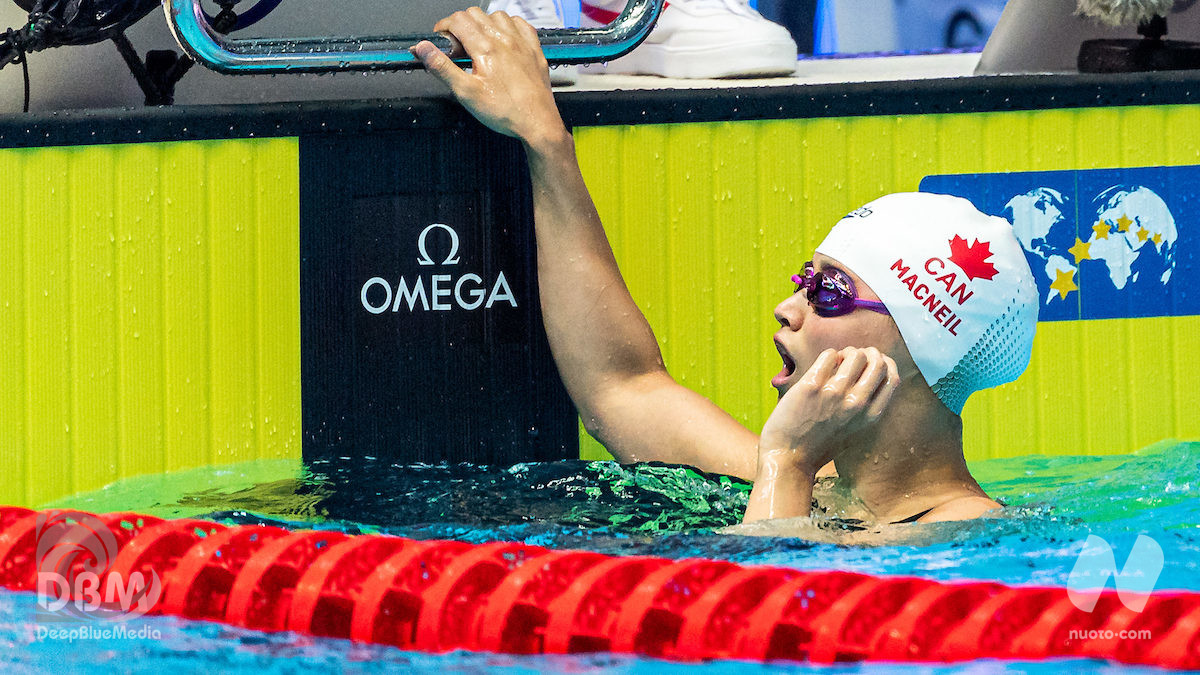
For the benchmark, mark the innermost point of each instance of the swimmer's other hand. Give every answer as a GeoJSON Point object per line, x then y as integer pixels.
{"type": "Point", "coordinates": [841, 393]}
{"type": "Point", "coordinates": [508, 86]}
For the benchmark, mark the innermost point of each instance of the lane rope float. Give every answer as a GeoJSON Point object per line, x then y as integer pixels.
{"type": "Point", "coordinates": [437, 596]}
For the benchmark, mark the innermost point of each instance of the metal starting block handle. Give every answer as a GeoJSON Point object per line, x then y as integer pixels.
{"type": "Point", "coordinates": [202, 42]}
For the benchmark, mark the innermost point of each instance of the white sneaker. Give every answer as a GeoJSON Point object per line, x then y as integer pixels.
{"type": "Point", "coordinates": [700, 39]}
{"type": "Point", "coordinates": [540, 14]}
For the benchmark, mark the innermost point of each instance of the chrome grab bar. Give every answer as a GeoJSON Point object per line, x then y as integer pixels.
{"type": "Point", "coordinates": [322, 55]}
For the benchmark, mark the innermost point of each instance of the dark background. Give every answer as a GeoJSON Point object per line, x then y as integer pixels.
{"type": "Point", "coordinates": [423, 386]}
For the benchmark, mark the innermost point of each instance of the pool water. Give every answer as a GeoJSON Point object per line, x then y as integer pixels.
{"type": "Point", "coordinates": [1053, 503]}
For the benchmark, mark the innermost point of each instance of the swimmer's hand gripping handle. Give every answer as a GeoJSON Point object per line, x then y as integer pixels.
{"type": "Point", "coordinates": [202, 42]}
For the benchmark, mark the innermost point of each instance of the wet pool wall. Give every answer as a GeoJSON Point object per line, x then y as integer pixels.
{"type": "Point", "coordinates": [150, 294]}
{"type": "Point", "coordinates": [162, 272]}
{"type": "Point", "coordinates": [196, 302]}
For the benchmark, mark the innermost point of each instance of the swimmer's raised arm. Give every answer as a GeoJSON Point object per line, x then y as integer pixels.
{"type": "Point", "coordinates": [603, 346]}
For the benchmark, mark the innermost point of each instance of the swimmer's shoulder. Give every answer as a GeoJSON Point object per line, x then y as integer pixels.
{"type": "Point", "coordinates": [962, 508]}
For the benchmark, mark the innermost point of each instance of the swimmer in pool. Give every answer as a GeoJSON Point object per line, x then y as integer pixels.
{"type": "Point", "coordinates": [910, 304]}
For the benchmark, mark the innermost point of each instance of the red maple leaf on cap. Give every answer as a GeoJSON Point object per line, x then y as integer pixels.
{"type": "Point", "coordinates": [973, 258]}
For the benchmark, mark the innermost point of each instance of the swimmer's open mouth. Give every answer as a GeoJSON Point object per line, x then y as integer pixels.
{"type": "Point", "coordinates": [789, 365]}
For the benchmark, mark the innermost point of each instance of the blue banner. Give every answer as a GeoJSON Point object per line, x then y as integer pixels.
{"type": "Point", "coordinates": [1102, 243]}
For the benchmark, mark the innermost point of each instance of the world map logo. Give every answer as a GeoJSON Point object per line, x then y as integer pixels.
{"type": "Point", "coordinates": [1101, 243]}
{"type": "Point", "coordinates": [1129, 223]}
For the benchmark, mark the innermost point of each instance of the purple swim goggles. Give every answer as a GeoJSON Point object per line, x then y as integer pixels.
{"type": "Point", "coordinates": [832, 293]}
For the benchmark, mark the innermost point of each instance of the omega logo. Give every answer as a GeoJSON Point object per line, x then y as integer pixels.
{"type": "Point", "coordinates": [468, 291]}
{"type": "Point", "coordinates": [451, 257]}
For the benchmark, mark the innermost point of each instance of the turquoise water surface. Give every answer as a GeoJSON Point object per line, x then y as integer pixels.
{"type": "Point", "coordinates": [1053, 503]}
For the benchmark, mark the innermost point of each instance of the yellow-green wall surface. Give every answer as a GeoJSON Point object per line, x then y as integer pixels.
{"type": "Point", "coordinates": [150, 292]}
{"type": "Point", "coordinates": [709, 221]}
{"type": "Point", "coordinates": [150, 297]}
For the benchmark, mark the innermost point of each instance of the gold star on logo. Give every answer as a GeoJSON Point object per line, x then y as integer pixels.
{"type": "Point", "coordinates": [1064, 283]}
{"type": "Point", "coordinates": [1123, 223]}
{"type": "Point", "coordinates": [1143, 234]}
{"type": "Point", "coordinates": [1101, 229]}
{"type": "Point", "coordinates": [1157, 238]}
{"type": "Point", "coordinates": [1080, 250]}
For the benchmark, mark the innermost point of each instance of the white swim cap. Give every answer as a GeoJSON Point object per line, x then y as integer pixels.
{"type": "Point", "coordinates": [955, 281]}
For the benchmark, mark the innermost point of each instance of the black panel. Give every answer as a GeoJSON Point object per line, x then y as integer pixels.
{"type": "Point", "coordinates": [442, 379]}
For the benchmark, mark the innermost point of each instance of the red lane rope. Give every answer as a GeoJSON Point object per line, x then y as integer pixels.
{"type": "Point", "coordinates": [509, 597]}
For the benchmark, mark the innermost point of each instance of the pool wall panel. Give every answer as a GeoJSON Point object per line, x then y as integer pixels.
{"type": "Point", "coordinates": [151, 311]}
{"type": "Point", "coordinates": [150, 271]}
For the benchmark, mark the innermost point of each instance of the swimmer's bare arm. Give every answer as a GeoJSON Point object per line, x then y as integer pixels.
{"type": "Point", "coordinates": [606, 353]}
{"type": "Point", "coordinates": [603, 346]}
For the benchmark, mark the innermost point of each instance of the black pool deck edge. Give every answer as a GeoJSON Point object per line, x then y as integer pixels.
{"type": "Point", "coordinates": [991, 93]}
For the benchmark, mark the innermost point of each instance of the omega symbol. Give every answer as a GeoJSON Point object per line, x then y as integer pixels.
{"type": "Point", "coordinates": [451, 257]}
